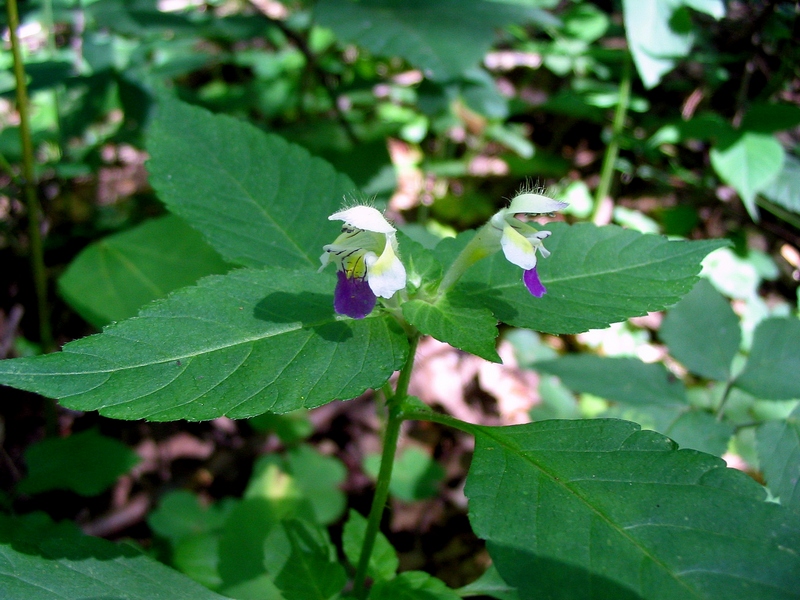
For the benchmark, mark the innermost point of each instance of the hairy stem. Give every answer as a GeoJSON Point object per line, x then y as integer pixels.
{"type": "Point", "coordinates": [29, 182]}
{"type": "Point", "coordinates": [390, 437]}
{"type": "Point", "coordinates": [612, 150]}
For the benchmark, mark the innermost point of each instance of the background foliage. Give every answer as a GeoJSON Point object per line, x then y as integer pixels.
{"type": "Point", "coordinates": [672, 117]}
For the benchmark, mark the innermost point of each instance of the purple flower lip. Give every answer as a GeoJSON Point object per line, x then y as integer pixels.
{"type": "Point", "coordinates": [353, 296]}
{"type": "Point", "coordinates": [532, 282]}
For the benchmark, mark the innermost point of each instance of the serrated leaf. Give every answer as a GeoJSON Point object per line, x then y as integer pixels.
{"type": "Point", "coordinates": [43, 561]}
{"type": "Point", "coordinates": [602, 509]}
{"type": "Point", "coordinates": [619, 379]}
{"type": "Point", "coordinates": [257, 199]}
{"type": "Point", "coordinates": [111, 279]}
{"type": "Point", "coordinates": [778, 444]}
{"type": "Point", "coordinates": [237, 345]}
{"type": "Point", "coordinates": [383, 561]}
{"type": "Point", "coordinates": [703, 332]}
{"type": "Point", "coordinates": [594, 277]}
{"type": "Point", "coordinates": [468, 328]}
{"type": "Point", "coordinates": [748, 162]}
{"type": "Point", "coordinates": [771, 371]}
{"type": "Point", "coordinates": [431, 35]}
{"type": "Point", "coordinates": [87, 463]}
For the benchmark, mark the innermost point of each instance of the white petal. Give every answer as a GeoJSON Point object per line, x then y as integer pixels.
{"type": "Point", "coordinates": [386, 274]}
{"type": "Point", "coordinates": [517, 248]}
{"type": "Point", "coordinates": [324, 259]}
{"type": "Point", "coordinates": [535, 204]}
{"type": "Point", "coordinates": [363, 217]}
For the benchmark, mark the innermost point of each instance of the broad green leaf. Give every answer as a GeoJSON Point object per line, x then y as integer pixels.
{"type": "Point", "coordinates": [463, 326]}
{"type": "Point", "coordinates": [383, 561]}
{"type": "Point", "coordinates": [181, 514]}
{"type": "Point", "coordinates": [702, 332]}
{"type": "Point", "coordinates": [748, 162]}
{"type": "Point", "coordinates": [594, 277]}
{"type": "Point", "coordinates": [87, 463]}
{"type": "Point", "coordinates": [237, 345]}
{"type": "Point", "coordinates": [489, 584]}
{"type": "Point", "coordinates": [43, 561]}
{"type": "Point", "coordinates": [785, 188]}
{"type": "Point", "coordinates": [771, 371]}
{"type": "Point", "coordinates": [198, 557]}
{"type": "Point", "coordinates": [318, 477]}
{"type": "Point", "coordinates": [602, 509]}
{"type": "Point", "coordinates": [257, 199]}
{"type": "Point", "coordinates": [771, 117]}
{"type": "Point", "coordinates": [311, 571]}
{"type": "Point", "coordinates": [627, 380]}
{"type": "Point", "coordinates": [778, 444]}
{"type": "Point", "coordinates": [412, 585]}
{"type": "Point", "coordinates": [415, 475]}
{"type": "Point", "coordinates": [442, 37]}
{"type": "Point", "coordinates": [112, 279]}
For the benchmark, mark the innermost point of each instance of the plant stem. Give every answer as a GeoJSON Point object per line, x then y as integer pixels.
{"type": "Point", "coordinates": [612, 150]}
{"type": "Point", "coordinates": [29, 184]}
{"type": "Point", "coordinates": [390, 437]}
{"type": "Point", "coordinates": [726, 392]}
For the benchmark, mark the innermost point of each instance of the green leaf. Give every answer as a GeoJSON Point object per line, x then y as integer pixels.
{"type": "Point", "coordinates": [237, 345]}
{"type": "Point", "coordinates": [87, 463]}
{"type": "Point", "coordinates": [442, 37]}
{"type": "Point", "coordinates": [785, 188]}
{"type": "Point", "coordinates": [654, 41]}
{"type": "Point", "coordinates": [468, 328]}
{"type": "Point", "coordinates": [771, 117]}
{"type": "Point", "coordinates": [112, 279]}
{"type": "Point", "coordinates": [311, 572]}
{"type": "Point", "coordinates": [415, 475]}
{"type": "Point", "coordinates": [627, 380]}
{"type": "Point", "coordinates": [257, 199]}
{"type": "Point", "coordinates": [602, 509]}
{"type": "Point", "coordinates": [748, 162]}
{"type": "Point", "coordinates": [595, 276]}
{"type": "Point", "coordinates": [771, 371]}
{"type": "Point", "coordinates": [489, 584]}
{"type": "Point", "coordinates": [43, 561]}
{"type": "Point", "coordinates": [198, 557]}
{"type": "Point", "coordinates": [181, 514]}
{"type": "Point", "coordinates": [319, 477]}
{"type": "Point", "coordinates": [383, 561]}
{"type": "Point", "coordinates": [412, 585]}
{"type": "Point", "coordinates": [778, 444]}
{"type": "Point", "coordinates": [702, 332]}
{"type": "Point", "coordinates": [700, 430]}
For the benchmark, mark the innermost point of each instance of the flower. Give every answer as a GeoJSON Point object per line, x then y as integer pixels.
{"type": "Point", "coordinates": [519, 240]}
{"type": "Point", "coordinates": [366, 256]}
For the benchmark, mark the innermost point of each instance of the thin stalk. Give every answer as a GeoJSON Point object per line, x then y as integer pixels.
{"type": "Point", "coordinates": [29, 182]}
{"type": "Point", "coordinates": [390, 437]}
{"type": "Point", "coordinates": [612, 150]}
{"type": "Point", "coordinates": [726, 392]}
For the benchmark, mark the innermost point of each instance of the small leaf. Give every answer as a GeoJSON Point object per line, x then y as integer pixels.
{"type": "Point", "coordinates": [39, 559]}
{"type": "Point", "coordinates": [771, 371]}
{"type": "Point", "coordinates": [257, 199]}
{"type": "Point", "coordinates": [748, 162]}
{"type": "Point", "coordinates": [602, 509]}
{"type": "Point", "coordinates": [627, 380]}
{"type": "Point", "coordinates": [111, 279]}
{"type": "Point", "coordinates": [237, 345]}
{"type": "Point", "coordinates": [702, 332]}
{"type": "Point", "coordinates": [383, 561]}
{"type": "Point", "coordinates": [468, 328]}
{"type": "Point", "coordinates": [778, 444]}
{"type": "Point", "coordinates": [412, 585]}
{"type": "Point", "coordinates": [310, 573]}
{"type": "Point", "coordinates": [87, 463]}
{"type": "Point", "coordinates": [429, 35]}
{"type": "Point", "coordinates": [594, 277]}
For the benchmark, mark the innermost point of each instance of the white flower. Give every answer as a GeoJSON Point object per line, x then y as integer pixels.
{"type": "Point", "coordinates": [365, 251]}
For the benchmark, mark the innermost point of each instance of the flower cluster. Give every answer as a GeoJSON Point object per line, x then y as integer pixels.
{"type": "Point", "coordinates": [369, 267]}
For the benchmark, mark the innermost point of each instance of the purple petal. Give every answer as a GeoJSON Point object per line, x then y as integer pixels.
{"type": "Point", "coordinates": [535, 287]}
{"type": "Point", "coordinates": [353, 297]}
